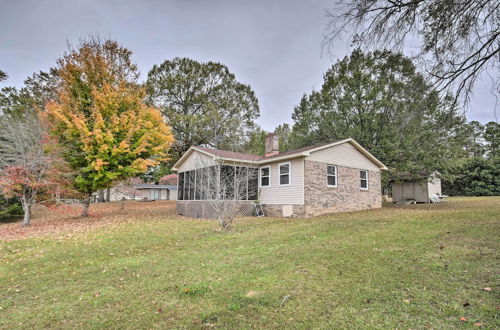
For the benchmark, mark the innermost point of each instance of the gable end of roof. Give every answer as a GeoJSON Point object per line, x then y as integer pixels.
{"type": "Point", "coordinates": [258, 160]}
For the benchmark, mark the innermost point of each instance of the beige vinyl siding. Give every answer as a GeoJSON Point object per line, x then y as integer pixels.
{"type": "Point", "coordinates": [344, 154]}
{"type": "Point", "coordinates": [289, 194]}
{"type": "Point", "coordinates": [195, 160]}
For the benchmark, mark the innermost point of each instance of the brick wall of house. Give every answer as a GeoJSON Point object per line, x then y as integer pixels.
{"type": "Point", "coordinates": [276, 210]}
{"type": "Point", "coordinates": [347, 196]}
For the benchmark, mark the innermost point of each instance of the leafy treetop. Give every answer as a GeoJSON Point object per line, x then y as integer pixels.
{"type": "Point", "coordinates": [99, 117]}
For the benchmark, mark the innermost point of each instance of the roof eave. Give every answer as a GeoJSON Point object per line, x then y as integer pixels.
{"type": "Point", "coordinates": [286, 157]}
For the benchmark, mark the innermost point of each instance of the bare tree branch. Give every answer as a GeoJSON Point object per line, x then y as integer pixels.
{"type": "Point", "coordinates": [228, 189]}
{"type": "Point", "coordinates": [458, 40]}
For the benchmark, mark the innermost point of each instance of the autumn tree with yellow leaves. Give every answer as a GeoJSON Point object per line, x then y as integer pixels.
{"type": "Point", "coordinates": [106, 131]}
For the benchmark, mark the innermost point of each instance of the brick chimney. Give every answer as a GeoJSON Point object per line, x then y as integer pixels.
{"type": "Point", "coordinates": [272, 144]}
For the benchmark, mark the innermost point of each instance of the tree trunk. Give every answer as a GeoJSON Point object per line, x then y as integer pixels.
{"type": "Point", "coordinates": [108, 194]}
{"type": "Point", "coordinates": [86, 206]}
{"type": "Point", "coordinates": [27, 214]}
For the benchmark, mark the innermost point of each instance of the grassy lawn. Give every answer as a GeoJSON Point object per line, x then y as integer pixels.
{"type": "Point", "coordinates": [417, 266]}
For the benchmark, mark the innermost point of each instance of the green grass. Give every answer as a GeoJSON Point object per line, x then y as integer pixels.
{"type": "Point", "coordinates": [397, 267]}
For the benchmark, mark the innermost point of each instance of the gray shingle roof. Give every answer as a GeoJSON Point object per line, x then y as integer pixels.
{"type": "Point", "coordinates": [251, 157]}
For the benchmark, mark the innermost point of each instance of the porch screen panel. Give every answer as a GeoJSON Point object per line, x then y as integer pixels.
{"type": "Point", "coordinates": [227, 181]}
{"type": "Point", "coordinates": [213, 179]}
{"type": "Point", "coordinates": [192, 181]}
{"type": "Point", "coordinates": [186, 185]}
{"type": "Point", "coordinates": [253, 183]}
{"type": "Point", "coordinates": [241, 183]}
{"type": "Point", "coordinates": [181, 186]}
{"type": "Point", "coordinates": [198, 184]}
{"type": "Point", "coordinates": [202, 184]}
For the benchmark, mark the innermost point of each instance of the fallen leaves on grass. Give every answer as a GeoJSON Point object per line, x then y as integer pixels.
{"type": "Point", "coordinates": [53, 222]}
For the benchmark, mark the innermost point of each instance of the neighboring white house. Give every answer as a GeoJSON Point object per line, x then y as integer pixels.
{"type": "Point", "coordinates": [138, 191]}
{"type": "Point", "coordinates": [116, 193]}
{"type": "Point", "coordinates": [330, 177]}
{"type": "Point", "coordinates": [156, 191]}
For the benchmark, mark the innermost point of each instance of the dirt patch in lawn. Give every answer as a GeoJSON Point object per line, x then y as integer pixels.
{"type": "Point", "coordinates": [65, 220]}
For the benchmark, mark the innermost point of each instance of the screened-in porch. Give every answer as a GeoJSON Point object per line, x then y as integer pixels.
{"type": "Point", "coordinates": [221, 182]}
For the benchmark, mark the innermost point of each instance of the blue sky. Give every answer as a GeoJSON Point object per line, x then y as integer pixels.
{"type": "Point", "coordinates": [274, 46]}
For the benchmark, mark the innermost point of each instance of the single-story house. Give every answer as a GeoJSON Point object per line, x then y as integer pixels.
{"type": "Point", "coordinates": [420, 188]}
{"type": "Point", "coordinates": [156, 191]}
{"type": "Point", "coordinates": [330, 177]}
{"type": "Point", "coordinates": [136, 189]}
{"type": "Point", "coordinates": [116, 193]}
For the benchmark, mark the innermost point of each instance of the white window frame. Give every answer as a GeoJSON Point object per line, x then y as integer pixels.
{"type": "Point", "coordinates": [336, 175]}
{"type": "Point", "coordinates": [367, 179]}
{"type": "Point", "coordinates": [289, 173]}
{"type": "Point", "coordinates": [268, 176]}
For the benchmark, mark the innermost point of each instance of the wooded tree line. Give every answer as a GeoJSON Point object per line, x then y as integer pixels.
{"type": "Point", "coordinates": [96, 123]}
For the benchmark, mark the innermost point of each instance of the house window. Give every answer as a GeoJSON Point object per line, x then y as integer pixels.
{"type": "Point", "coordinates": [284, 174]}
{"type": "Point", "coordinates": [331, 175]}
{"type": "Point", "coordinates": [264, 176]}
{"type": "Point", "coordinates": [363, 176]}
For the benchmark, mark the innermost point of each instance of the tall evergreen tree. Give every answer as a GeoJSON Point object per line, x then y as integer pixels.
{"type": "Point", "coordinates": [491, 136]}
{"type": "Point", "coordinates": [381, 101]}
